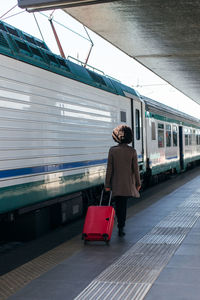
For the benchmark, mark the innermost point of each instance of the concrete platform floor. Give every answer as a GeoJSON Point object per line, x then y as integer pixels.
{"type": "Point", "coordinates": [159, 258]}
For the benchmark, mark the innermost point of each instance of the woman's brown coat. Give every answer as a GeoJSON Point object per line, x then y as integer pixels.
{"type": "Point", "coordinates": [122, 174]}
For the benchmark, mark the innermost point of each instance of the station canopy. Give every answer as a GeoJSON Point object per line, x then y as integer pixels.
{"type": "Point", "coordinates": [164, 36]}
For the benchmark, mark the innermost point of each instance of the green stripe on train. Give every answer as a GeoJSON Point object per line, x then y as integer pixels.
{"type": "Point", "coordinates": [191, 159]}
{"type": "Point", "coordinates": [165, 167]}
{"type": "Point", "coordinates": [18, 196]}
{"type": "Point", "coordinates": [173, 165]}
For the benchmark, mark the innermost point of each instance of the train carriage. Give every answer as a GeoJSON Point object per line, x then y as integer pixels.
{"type": "Point", "coordinates": [172, 138]}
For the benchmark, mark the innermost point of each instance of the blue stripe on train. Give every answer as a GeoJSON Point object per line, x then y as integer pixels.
{"type": "Point", "coordinates": [49, 168]}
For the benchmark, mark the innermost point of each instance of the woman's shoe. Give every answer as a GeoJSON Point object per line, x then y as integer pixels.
{"type": "Point", "coordinates": [121, 232]}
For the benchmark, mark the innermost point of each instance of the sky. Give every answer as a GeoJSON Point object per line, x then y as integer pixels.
{"type": "Point", "coordinates": [105, 57]}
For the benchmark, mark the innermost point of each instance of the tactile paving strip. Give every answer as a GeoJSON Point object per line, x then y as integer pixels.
{"type": "Point", "coordinates": [133, 274]}
{"type": "Point", "coordinates": [12, 281]}
{"type": "Point", "coordinates": [116, 290]}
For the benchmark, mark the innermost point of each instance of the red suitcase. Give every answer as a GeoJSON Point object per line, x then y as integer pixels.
{"type": "Point", "coordinates": [99, 222]}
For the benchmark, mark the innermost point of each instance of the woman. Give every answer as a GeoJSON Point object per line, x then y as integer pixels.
{"type": "Point", "coordinates": [122, 175]}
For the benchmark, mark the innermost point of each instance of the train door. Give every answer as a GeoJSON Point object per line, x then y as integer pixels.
{"type": "Point", "coordinates": [137, 128]}
{"type": "Point", "coordinates": [181, 147]}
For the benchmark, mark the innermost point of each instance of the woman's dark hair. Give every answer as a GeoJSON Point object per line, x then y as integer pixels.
{"type": "Point", "coordinates": [122, 134]}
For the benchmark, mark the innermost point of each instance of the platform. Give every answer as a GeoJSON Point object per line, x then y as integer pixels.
{"type": "Point", "coordinates": [159, 258]}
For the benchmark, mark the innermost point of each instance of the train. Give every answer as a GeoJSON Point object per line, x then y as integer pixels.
{"type": "Point", "coordinates": [56, 122]}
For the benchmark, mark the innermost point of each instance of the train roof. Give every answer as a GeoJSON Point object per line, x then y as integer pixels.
{"type": "Point", "coordinates": [168, 112]}
{"type": "Point", "coordinates": [22, 46]}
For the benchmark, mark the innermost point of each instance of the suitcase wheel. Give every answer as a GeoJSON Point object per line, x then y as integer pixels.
{"type": "Point", "coordinates": [84, 236]}
{"type": "Point", "coordinates": [105, 237]}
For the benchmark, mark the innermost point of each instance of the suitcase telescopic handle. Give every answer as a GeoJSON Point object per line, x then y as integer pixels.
{"type": "Point", "coordinates": [102, 198]}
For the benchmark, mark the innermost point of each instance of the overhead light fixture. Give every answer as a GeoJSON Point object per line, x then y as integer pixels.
{"type": "Point", "coordinates": [37, 5]}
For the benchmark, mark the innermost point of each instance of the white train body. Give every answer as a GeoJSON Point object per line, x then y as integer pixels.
{"type": "Point", "coordinates": [172, 138]}
{"type": "Point", "coordinates": [55, 133]}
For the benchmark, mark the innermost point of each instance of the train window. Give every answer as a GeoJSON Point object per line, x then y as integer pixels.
{"type": "Point", "coordinates": [186, 140]}
{"type": "Point", "coordinates": [161, 126]}
{"type": "Point", "coordinates": [197, 138]}
{"type": "Point", "coordinates": [175, 130]}
{"type": "Point", "coordinates": [137, 124]}
{"type": "Point", "coordinates": [153, 131]}
{"type": "Point", "coordinates": [160, 135]}
{"type": "Point", "coordinates": [168, 136]}
{"type": "Point", "coordinates": [186, 137]}
{"type": "Point", "coordinates": [189, 136]}
{"type": "Point", "coordinates": [190, 139]}
{"type": "Point", "coordinates": [123, 116]}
